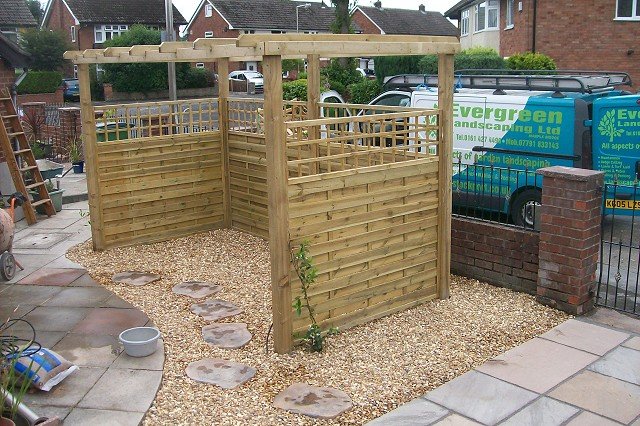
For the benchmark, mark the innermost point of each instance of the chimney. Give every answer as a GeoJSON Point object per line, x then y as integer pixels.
{"type": "Point", "coordinates": [378, 4]}
{"type": "Point", "coordinates": [421, 8]}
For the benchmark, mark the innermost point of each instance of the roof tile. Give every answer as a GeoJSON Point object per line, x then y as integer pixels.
{"type": "Point", "coordinates": [123, 12]}
{"type": "Point", "coordinates": [410, 22]}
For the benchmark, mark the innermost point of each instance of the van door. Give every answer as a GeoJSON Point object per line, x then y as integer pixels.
{"type": "Point", "coordinates": [616, 150]}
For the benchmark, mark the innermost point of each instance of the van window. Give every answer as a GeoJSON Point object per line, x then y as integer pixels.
{"type": "Point", "coordinates": [395, 99]}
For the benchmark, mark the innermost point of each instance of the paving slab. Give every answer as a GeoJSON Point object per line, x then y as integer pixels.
{"type": "Point", "coordinates": [50, 411]}
{"type": "Point", "coordinates": [455, 420]}
{"type": "Point", "coordinates": [313, 401]}
{"type": "Point", "coordinates": [70, 391]}
{"type": "Point", "coordinates": [38, 239]}
{"type": "Point", "coordinates": [85, 281]}
{"type": "Point", "coordinates": [116, 302]}
{"type": "Point", "coordinates": [220, 372]}
{"type": "Point", "coordinates": [53, 276]}
{"type": "Point", "coordinates": [621, 363]}
{"type": "Point", "coordinates": [46, 339]}
{"type": "Point", "coordinates": [88, 416]}
{"type": "Point", "coordinates": [80, 297]}
{"type": "Point", "coordinates": [196, 289]}
{"type": "Point", "coordinates": [227, 335]}
{"type": "Point", "coordinates": [481, 397]}
{"type": "Point", "coordinates": [15, 295]}
{"type": "Point", "coordinates": [633, 343]}
{"type": "Point", "coordinates": [94, 350]}
{"type": "Point", "coordinates": [155, 361]}
{"type": "Point", "coordinates": [136, 390]}
{"type": "Point", "coordinates": [584, 336]}
{"type": "Point", "coordinates": [542, 412]}
{"type": "Point", "coordinates": [537, 365]}
{"type": "Point", "coordinates": [63, 262]}
{"type": "Point", "coordinates": [414, 413]}
{"type": "Point", "coordinates": [612, 318]}
{"type": "Point", "coordinates": [586, 418]}
{"type": "Point", "coordinates": [135, 278]}
{"type": "Point", "coordinates": [55, 318]}
{"type": "Point", "coordinates": [215, 309]}
{"type": "Point", "coordinates": [602, 395]}
{"type": "Point", "coordinates": [111, 321]}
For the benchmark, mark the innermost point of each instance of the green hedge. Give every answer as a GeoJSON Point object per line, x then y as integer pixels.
{"type": "Point", "coordinates": [364, 92]}
{"type": "Point", "coordinates": [393, 65]}
{"type": "Point", "coordinates": [474, 58]}
{"type": "Point", "coordinates": [531, 61]}
{"type": "Point", "coordinates": [193, 78]}
{"type": "Point", "coordinates": [296, 89]}
{"type": "Point", "coordinates": [40, 82]}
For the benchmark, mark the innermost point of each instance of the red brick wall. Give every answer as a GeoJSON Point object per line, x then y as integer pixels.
{"type": "Point", "coordinates": [7, 75]}
{"type": "Point", "coordinates": [49, 98]}
{"type": "Point", "coordinates": [217, 24]}
{"type": "Point", "coordinates": [518, 38]}
{"type": "Point", "coordinates": [498, 254]}
{"type": "Point", "coordinates": [577, 34]}
{"type": "Point", "coordinates": [365, 23]}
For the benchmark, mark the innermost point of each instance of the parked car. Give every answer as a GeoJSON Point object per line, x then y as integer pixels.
{"type": "Point", "coordinates": [249, 77]}
{"type": "Point", "coordinates": [366, 72]}
{"type": "Point", "coordinates": [71, 88]}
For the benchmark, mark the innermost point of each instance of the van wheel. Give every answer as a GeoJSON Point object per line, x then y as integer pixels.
{"type": "Point", "coordinates": [524, 207]}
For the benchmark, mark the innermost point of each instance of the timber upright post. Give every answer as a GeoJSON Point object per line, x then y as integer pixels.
{"type": "Point", "coordinates": [445, 170]}
{"type": "Point", "coordinates": [223, 126]}
{"type": "Point", "coordinates": [313, 97]}
{"type": "Point", "coordinates": [278, 202]}
{"type": "Point", "coordinates": [91, 156]}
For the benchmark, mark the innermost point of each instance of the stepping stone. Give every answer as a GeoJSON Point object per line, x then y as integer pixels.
{"type": "Point", "coordinates": [215, 309]}
{"type": "Point", "coordinates": [226, 336]}
{"type": "Point", "coordinates": [135, 278]}
{"type": "Point", "coordinates": [196, 289]}
{"type": "Point", "coordinates": [219, 372]}
{"type": "Point", "coordinates": [312, 401]}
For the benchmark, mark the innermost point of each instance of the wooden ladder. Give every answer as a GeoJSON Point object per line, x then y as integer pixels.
{"type": "Point", "coordinates": [21, 160]}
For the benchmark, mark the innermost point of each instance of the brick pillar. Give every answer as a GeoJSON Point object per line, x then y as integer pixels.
{"type": "Point", "coordinates": [108, 91]}
{"type": "Point", "coordinates": [70, 127]}
{"type": "Point", "coordinates": [569, 238]}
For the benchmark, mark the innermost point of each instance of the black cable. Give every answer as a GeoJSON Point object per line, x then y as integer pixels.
{"type": "Point", "coordinates": [13, 347]}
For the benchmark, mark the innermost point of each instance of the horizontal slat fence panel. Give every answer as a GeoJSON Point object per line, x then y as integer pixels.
{"type": "Point", "coordinates": [158, 188]}
{"type": "Point", "coordinates": [372, 232]}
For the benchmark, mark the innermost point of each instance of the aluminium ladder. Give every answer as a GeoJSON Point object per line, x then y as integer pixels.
{"type": "Point", "coordinates": [20, 159]}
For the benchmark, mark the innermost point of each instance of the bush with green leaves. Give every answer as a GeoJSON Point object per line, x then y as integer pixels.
{"type": "Point", "coordinates": [193, 78]}
{"type": "Point", "coordinates": [474, 58]}
{"type": "Point", "coordinates": [530, 61]}
{"type": "Point", "coordinates": [46, 48]}
{"type": "Point", "coordinates": [393, 65]}
{"type": "Point", "coordinates": [364, 91]}
{"type": "Point", "coordinates": [40, 82]}
{"type": "Point", "coordinates": [296, 89]}
{"type": "Point", "coordinates": [338, 77]}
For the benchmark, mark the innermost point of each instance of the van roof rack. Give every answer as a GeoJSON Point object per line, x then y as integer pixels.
{"type": "Point", "coordinates": [500, 80]}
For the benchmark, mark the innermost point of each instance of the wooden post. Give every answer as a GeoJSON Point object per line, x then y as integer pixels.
{"type": "Point", "coordinates": [91, 157]}
{"type": "Point", "coordinates": [445, 169]}
{"type": "Point", "coordinates": [278, 201]}
{"type": "Point", "coordinates": [313, 97]}
{"type": "Point", "coordinates": [223, 126]}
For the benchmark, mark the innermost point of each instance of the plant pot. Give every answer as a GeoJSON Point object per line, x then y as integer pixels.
{"type": "Point", "coordinates": [56, 199]}
{"type": "Point", "coordinates": [78, 167]}
{"type": "Point", "coordinates": [6, 422]}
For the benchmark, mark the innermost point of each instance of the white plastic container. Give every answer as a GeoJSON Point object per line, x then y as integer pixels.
{"type": "Point", "coordinates": [140, 341]}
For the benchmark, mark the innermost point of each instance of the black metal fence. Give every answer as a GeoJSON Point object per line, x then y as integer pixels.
{"type": "Point", "coordinates": [496, 194]}
{"type": "Point", "coordinates": [618, 271]}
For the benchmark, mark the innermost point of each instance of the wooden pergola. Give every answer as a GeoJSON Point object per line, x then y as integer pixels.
{"type": "Point", "coordinates": [271, 50]}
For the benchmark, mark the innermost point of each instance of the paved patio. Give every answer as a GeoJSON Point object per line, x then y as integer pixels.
{"type": "Point", "coordinates": [80, 320]}
{"type": "Point", "coordinates": [583, 372]}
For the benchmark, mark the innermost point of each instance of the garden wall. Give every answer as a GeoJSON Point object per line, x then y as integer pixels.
{"type": "Point", "coordinates": [158, 188]}
{"type": "Point", "coordinates": [372, 234]}
{"type": "Point", "coordinates": [502, 255]}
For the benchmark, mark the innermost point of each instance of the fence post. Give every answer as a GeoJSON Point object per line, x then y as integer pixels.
{"type": "Point", "coordinates": [445, 171]}
{"type": "Point", "coordinates": [278, 202]}
{"type": "Point", "coordinates": [313, 97]}
{"type": "Point", "coordinates": [223, 126]}
{"type": "Point", "coordinates": [569, 237]}
{"type": "Point", "coordinates": [91, 156]}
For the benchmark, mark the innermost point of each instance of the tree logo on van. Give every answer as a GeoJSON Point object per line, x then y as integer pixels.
{"type": "Point", "coordinates": [607, 126]}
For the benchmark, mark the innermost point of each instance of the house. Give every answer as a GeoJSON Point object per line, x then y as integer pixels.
{"type": "Point", "coordinates": [15, 18]}
{"type": "Point", "coordinates": [588, 34]}
{"type": "Point", "coordinates": [230, 18]}
{"type": "Point", "coordinates": [89, 23]}
{"type": "Point", "coordinates": [382, 20]}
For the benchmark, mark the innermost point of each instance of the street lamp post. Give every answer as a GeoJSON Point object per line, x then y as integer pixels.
{"type": "Point", "coordinates": [306, 6]}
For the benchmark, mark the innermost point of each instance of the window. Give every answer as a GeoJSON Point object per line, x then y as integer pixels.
{"type": "Point", "coordinates": [249, 31]}
{"type": "Point", "coordinates": [208, 10]}
{"type": "Point", "coordinates": [464, 22]}
{"type": "Point", "coordinates": [107, 32]}
{"type": "Point", "coordinates": [628, 9]}
{"type": "Point", "coordinates": [486, 14]}
{"type": "Point", "coordinates": [73, 34]}
{"type": "Point", "coordinates": [200, 65]}
{"type": "Point", "coordinates": [208, 34]}
{"type": "Point", "coordinates": [509, 16]}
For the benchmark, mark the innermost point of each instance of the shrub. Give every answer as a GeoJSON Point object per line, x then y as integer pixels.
{"type": "Point", "coordinates": [338, 78]}
{"type": "Point", "coordinates": [302, 75]}
{"type": "Point", "coordinates": [474, 58]}
{"type": "Point", "coordinates": [296, 89]}
{"type": "Point", "coordinates": [40, 82]}
{"type": "Point", "coordinates": [193, 78]}
{"type": "Point", "coordinates": [393, 65]}
{"type": "Point", "coordinates": [530, 61]}
{"type": "Point", "coordinates": [45, 48]}
{"type": "Point", "coordinates": [364, 92]}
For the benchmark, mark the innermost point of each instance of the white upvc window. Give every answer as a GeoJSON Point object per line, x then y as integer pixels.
{"type": "Point", "coordinates": [628, 9]}
{"type": "Point", "coordinates": [73, 34]}
{"type": "Point", "coordinates": [249, 31]}
{"type": "Point", "coordinates": [200, 65]}
{"type": "Point", "coordinates": [509, 14]}
{"type": "Point", "coordinates": [208, 11]}
{"type": "Point", "coordinates": [464, 22]}
{"type": "Point", "coordinates": [107, 32]}
{"type": "Point", "coordinates": [208, 34]}
{"type": "Point", "coordinates": [487, 15]}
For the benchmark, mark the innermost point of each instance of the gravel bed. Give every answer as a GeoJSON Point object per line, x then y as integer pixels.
{"type": "Point", "coordinates": [380, 365]}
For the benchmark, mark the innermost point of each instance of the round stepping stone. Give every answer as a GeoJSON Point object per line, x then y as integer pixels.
{"type": "Point", "coordinates": [196, 289]}
{"type": "Point", "coordinates": [226, 336]}
{"type": "Point", "coordinates": [215, 309]}
{"type": "Point", "coordinates": [312, 401]}
{"type": "Point", "coordinates": [135, 278]}
{"type": "Point", "coordinates": [219, 372]}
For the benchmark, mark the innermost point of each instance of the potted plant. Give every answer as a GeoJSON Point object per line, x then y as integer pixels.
{"type": "Point", "coordinates": [13, 386]}
{"type": "Point", "coordinates": [55, 194]}
{"type": "Point", "coordinates": [75, 156]}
